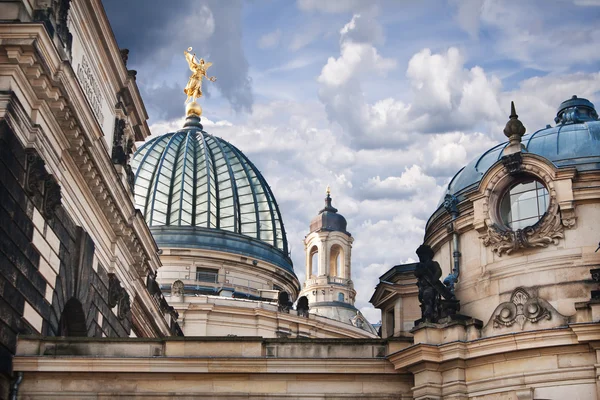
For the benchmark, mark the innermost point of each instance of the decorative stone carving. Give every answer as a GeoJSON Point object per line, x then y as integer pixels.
{"type": "Point", "coordinates": [55, 19]}
{"type": "Point", "coordinates": [122, 151]}
{"type": "Point", "coordinates": [568, 218]}
{"type": "Point", "coordinates": [118, 296]}
{"type": "Point", "coordinates": [119, 156]}
{"type": "Point", "coordinates": [34, 171]}
{"type": "Point", "coordinates": [437, 301]}
{"type": "Point", "coordinates": [124, 55]}
{"type": "Point", "coordinates": [548, 230]}
{"type": "Point", "coordinates": [37, 180]}
{"type": "Point", "coordinates": [519, 309]}
{"type": "Point", "coordinates": [514, 131]}
{"type": "Point", "coordinates": [177, 288]}
{"type": "Point", "coordinates": [62, 13]}
{"type": "Point", "coordinates": [124, 305]}
{"type": "Point", "coordinates": [513, 163]}
{"type": "Point", "coordinates": [451, 204]}
{"type": "Point", "coordinates": [523, 308]}
{"type": "Point", "coordinates": [52, 196]}
{"type": "Point", "coordinates": [596, 277]}
{"type": "Point", "coordinates": [115, 290]}
{"type": "Point", "coordinates": [357, 321]}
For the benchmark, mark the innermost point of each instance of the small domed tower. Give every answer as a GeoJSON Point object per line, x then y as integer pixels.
{"type": "Point", "coordinates": [328, 285]}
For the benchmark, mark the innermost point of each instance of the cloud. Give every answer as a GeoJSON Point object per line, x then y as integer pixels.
{"type": "Point", "coordinates": [334, 7]}
{"type": "Point", "coordinates": [532, 32]}
{"type": "Point", "coordinates": [411, 182]}
{"type": "Point", "coordinates": [388, 127]}
{"type": "Point", "coordinates": [158, 35]}
{"type": "Point", "coordinates": [296, 63]}
{"type": "Point", "coordinates": [270, 40]}
{"type": "Point", "coordinates": [468, 15]}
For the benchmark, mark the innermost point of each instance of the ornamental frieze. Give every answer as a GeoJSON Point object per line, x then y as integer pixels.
{"type": "Point", "coordinates": [39, 182]}
{"type": "Point", "coordinates": [524, 311]}
{"type": "Point", "coordinates": [495, 232]}
{"type": "Point", "coordinates": [547, 231]}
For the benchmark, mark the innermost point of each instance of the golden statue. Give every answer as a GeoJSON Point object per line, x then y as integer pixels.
{"type": "Point", "coordinates": [193, 88]}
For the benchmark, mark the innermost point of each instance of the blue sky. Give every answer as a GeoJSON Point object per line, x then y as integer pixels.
{"type": "Point", "coordinates": [383, 100]}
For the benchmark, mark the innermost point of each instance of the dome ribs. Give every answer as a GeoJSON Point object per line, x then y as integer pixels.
{"type": "Point", "coordinates": [190, 178]}
{"type": "Point", "coordinates": [176, 162]}
{"type": "Point", "coordinates": [157, 181]}
{"type": "Point", "coordinates": [234, 191]}
{"type": "Point", "coordinates": [252, 188]}
{"type": "Point", "coordinates": [158, 141]}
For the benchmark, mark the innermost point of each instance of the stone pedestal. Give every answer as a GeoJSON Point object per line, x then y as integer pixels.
{"type": "Point", "coordinates": [450, 329]}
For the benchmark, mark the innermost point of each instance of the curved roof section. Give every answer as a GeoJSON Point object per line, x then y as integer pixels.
{"type": "Point", "coordinates": [574, 141]}
{"type": "Point", "coordinates": [328, 219]}
{"type": "Point", "coordinates": [190, 178]}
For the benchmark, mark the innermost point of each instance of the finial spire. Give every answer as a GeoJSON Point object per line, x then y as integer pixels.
{"type": "Point", "coordinates": [514, 130]}
{"type": "Point", "coordinates": [193, 89]}
{"type": "Point", "coordinates": [328, 191]}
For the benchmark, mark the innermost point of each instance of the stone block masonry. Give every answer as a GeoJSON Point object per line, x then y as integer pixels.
{"type": "Point", "coordinates": [50, 282]}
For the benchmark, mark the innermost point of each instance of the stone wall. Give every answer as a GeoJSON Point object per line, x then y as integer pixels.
{"type": "Point", "coordinates": [45, 259]}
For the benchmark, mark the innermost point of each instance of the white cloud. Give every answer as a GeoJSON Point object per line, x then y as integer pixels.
{"type": "Point", "coordinates": [336, 6]}
{"type": "Point", "coordinates": [411, 182]}
{"type": "Point", "coordinates": [270, 40]}
{"type": "Point", "coordinates": [523, 31]}
{"type": "Point", "coordinates": [386, 156]}
{"type": "Point", "coordinates": [468, 15]}
{"type": "Point", "coordinates": [355, 59]}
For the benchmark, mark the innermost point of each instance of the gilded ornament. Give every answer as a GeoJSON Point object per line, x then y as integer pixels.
{"type": "Point", "coordinates": [193, 89]}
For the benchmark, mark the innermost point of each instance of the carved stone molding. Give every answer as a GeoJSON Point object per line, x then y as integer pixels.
{"type": "Point", "coordinates": [52, 196]}
{"type": "Point", "coordinates": [547, 231]}
{"type": "Point", "coordinates": [124, 306]}
{"type": "Point", "coordinates": [118, 296]}
{"type": "Point", "coordinates": [34, 171]}
{"type": "Point", "coordinates": [119, 155]}
{"type": "Point", "coordinates": [39, 182]}
{"type": "Point", "coordinates": [503, 240]}
{"type": "Point", "coordinates": [48, 88]}
{"type": "Point", "coordinates": [115, 291]}
{"type": "Point", "coordinates": [513, 163]}
{"type": "Point", "coordinates": [521, 310]}
{"type": "Point", "coordinates": [569, 220]}
{"type": "Point", "coordinates": [54, 15]}
{"type": "Point", "coordinates": [177, 288]}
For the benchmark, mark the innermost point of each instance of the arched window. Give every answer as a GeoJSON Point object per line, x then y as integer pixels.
{"type": "Point", "coordinates": [72, 320]}
{"type": "Point", "coordinates": [336, 261]}
{"type": "Point", "coordinates": [313, 267]}
{"type": "Point", "coordinates": [341, 297]}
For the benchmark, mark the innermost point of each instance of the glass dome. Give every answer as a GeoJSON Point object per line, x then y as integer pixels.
{"type": "Point", "coordinates": [190, 178]}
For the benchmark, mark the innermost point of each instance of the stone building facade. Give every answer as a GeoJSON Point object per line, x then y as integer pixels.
{"type": "Point", "coordinates": [503, 303]}
{"type": "Point", "coordinates": [74, 253]}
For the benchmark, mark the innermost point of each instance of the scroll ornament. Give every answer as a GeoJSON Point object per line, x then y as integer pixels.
{"type": "Point", "coordinates": [548, 230]}
{"type": "Point", "coordinates": [520, 309]}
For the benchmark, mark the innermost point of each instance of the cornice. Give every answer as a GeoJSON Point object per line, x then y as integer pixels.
{"type": "Point", "coordinates": [496, 345]}
{"type": "Point", "coordinates": [188, 365]}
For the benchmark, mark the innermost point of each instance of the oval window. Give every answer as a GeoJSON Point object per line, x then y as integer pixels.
{"type": "Point", "coordinates": [524, 204]}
